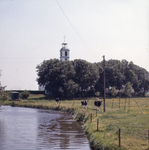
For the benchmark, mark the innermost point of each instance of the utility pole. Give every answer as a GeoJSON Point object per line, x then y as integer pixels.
{"type": "Point", "coordinates": [104, 84]}
{"type": "Point", "coordinates": [147, 51]}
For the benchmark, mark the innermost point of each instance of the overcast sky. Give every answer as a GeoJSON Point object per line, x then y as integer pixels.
{"type": "Point", "coordinates": [33, 30]}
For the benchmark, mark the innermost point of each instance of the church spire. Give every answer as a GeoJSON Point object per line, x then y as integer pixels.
{"type": "Point", "coordinates": [64, 51]}
{"type": "Point", "coordinates": [64, 44]}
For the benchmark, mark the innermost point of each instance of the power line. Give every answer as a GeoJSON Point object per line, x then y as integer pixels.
{"type": "Point", "coordinates": [75, 29]}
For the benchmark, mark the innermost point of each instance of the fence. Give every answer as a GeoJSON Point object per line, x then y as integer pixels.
{"type": "Point", "coordinates": [117, 135]}
{"type": "Point", "coordinates": [126, 104]}
{"type": "Point", "coordinates": [132, 132]}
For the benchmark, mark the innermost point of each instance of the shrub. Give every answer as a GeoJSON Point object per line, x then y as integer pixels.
{"type": "Point", "coordinates": [3, 95]}
{"type": "Point", "coordinates": [24, 95]}
{"type": "Point", "coordinates": [97, 94]}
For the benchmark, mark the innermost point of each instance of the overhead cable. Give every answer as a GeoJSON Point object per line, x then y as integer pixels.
{"type": "Point", "coordinates": [74, 28]}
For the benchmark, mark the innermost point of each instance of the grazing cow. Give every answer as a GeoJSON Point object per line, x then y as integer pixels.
{"type": "Point", "coordinates": [84, 103]}
{"type": "Point", "coordinates": [97, 103]}
{"type": "Point", "coordinates": [57, 100]}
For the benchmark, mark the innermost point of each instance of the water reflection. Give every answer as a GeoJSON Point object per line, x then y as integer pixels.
{"type": "Point", "coordinates": [60, 132]}
{"type": "Point", "coordinates": [2, 130]}
{"type": "Point", "coordinates": [25, 128]}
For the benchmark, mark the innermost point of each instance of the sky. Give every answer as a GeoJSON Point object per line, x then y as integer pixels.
{"type": "Point", "coordinates": [32, 31]}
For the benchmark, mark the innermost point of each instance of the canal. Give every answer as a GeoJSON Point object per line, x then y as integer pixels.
{"type": "Point", "coordinates": [33, 129]}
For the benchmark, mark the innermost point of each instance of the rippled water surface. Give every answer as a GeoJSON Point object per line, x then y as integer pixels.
{"type": "Point", "coordinates": [31, 129]}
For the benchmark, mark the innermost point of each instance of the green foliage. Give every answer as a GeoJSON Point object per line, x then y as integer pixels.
{"type": "Point", "coordinates": [3, 94]}
{"type": "Point", "coordinates": [147, 94]}
{"type": "Point", "coordinates": [97, 94]}
{"type": "Point", "coordinates": [70, 88]}
{"type": "Point", "coordinates": [87, 74]}
{"type": "Point", "coordinates": [114, 91]}
{"type": "Point", "coordinates": [24, 95]}
{"type": "Point", "coordinates": [68, 79]}
{"type": "Point", "coordinates": [128, 91]}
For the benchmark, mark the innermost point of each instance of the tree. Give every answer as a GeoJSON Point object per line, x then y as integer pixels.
{"type": "Point", "coordinates": [86, 74]}
{"type": "Point", "coordinates": [97, 93]}
{"type": "Point", "coordinates": [118, 73]}
{"type": "Point", "coordinates": [143, 79]}
{"type": "Point", "coordinates": [114, 91]}
{"type": "Point", "coordinates": [24, 95]}
{"type": "Point", "coordinates": [114, 74]}
{"type": "Point", "coordinates": [3, 94]}
{"type": "Point", "coordinates": [128, 90]}
{"type": "Point", "coordinates": [54, 75]}
{"type": "Point", "coordinates": [81, 77]}
{"type": "Point", "coordinates": [131, 75]}
{"type": "Point", "coordinates": [99, 83]}
{"type": "Point", "coordinates": [140, 79]}
{"type": "Point", "coordinates": [70, 88]}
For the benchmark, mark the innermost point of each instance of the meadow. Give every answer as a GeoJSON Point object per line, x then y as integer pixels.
{"type": "Point", "coordinates": [131, 116]}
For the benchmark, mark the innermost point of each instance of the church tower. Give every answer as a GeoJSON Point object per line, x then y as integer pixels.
{"type": "Point", "coordinates": [64, 52]}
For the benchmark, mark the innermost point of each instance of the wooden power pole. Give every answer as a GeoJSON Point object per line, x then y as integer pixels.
{"type": "Point", "coordinates": [104, 84]}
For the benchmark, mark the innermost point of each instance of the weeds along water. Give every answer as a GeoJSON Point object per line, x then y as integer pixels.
{"type": "Point", "coordinates": [102, 128]}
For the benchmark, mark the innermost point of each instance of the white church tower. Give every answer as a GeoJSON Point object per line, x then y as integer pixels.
{"type": "Point", "coordinates": [64, 56]}
{"type": "Point", "coordinates": [64, 52]}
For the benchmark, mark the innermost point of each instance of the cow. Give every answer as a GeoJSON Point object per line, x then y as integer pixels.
{"type": "Point", "coordinates": [84, 103]}
{"type": "Point", "coordinates": [97, 103]}
{"type": "Point", "coordinates": [57, 100]}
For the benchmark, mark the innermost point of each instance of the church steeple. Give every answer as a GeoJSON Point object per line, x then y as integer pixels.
{"type": "Point", "coordinates": [64, 52]}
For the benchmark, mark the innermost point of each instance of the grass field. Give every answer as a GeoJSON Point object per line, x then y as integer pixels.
{"type": "Point", "coordinates": [130, 115]}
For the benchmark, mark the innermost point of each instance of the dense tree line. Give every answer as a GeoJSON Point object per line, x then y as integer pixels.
{"type": "Point", "coordinates": [68, 79]}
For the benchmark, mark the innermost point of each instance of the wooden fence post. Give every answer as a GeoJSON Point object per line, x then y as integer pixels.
{"type": "Point", "coordinates": [97, 123]}
{"type": "Point", "coordinates": [91, 117]}
{"type": "Point", "coordinates": [148, 139]}
{"type": "Point", "coordinates": [125, 104]}
{"type": "Point", "coordinates": [119, 136]}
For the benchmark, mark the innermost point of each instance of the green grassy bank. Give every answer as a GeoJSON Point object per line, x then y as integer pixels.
{"type": "Point", "coordinates": [102, 128]}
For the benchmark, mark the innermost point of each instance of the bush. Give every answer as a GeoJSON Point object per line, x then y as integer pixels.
{"type": "Point", "coordinates": [97, 94]}
{"type": "Point", "coordinates": [24, 95]}
{"type": "Point", "coordinates": [3, 95]}
{"type": "Point", "coordinates": [147, 94]}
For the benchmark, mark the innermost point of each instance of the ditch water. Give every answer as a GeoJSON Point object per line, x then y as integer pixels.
{"type": "Point", "coordinates": [36, 129]}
